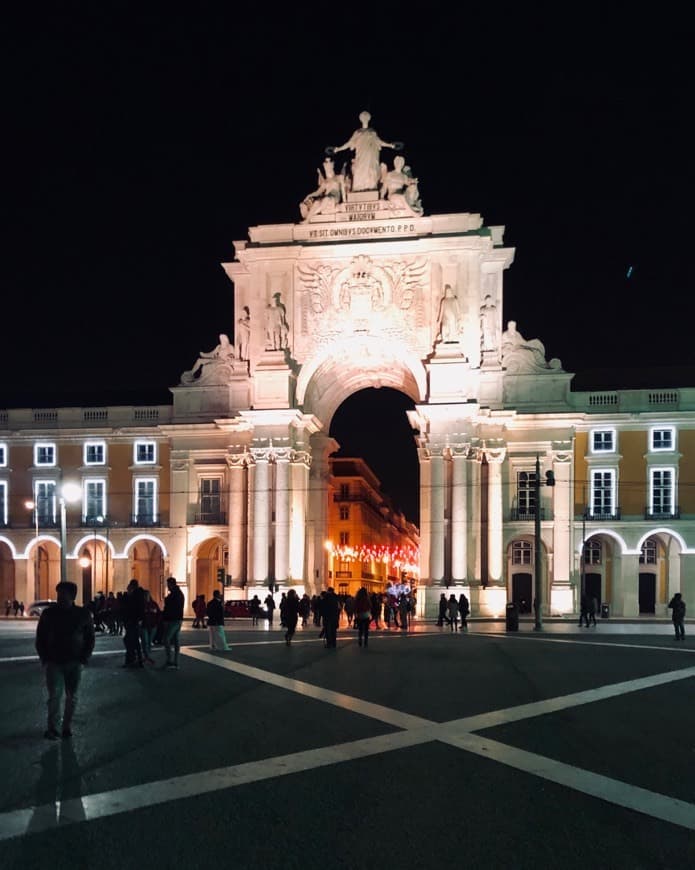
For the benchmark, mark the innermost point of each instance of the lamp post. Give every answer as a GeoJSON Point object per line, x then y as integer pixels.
{"type": "Point", "coordinates": [69, 492]}
{"type": "Point", "coordinates": [31, 505]}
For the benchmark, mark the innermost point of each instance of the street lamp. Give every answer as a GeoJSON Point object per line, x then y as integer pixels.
{"type": "Point", "coordinates": [32, 506]}
{"type": "Point", "coordinates": [69, 492]}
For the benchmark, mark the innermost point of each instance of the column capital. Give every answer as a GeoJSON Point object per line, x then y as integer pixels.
{"type": "Point", "coordinates": [562, 451]}
{"type": "Point", "coordinates": [495, 453]}
{"type": "Point", "coordinates": [300, 457]}
{"type": "Point", "coordinates": [261, 454]}
{"type": "Point", "coordinates": [238, 460]}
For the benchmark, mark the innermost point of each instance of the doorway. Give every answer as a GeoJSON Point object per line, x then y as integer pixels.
{"type": "Point", "coordinates": [592, 588]}
{"type": "Point", "coordinates": [522, 594]}
{"type": "Point", "coordinates": [647, 593]}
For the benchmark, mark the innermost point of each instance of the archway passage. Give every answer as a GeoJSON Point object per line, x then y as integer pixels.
{"type": "Point", "coordinates": [209, 558]}
{"type": "Point", "coordinates": [373, 424]}
{"type": "Point", "coordinates": [147, 567]}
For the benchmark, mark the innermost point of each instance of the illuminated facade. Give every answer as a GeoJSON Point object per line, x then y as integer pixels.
{"type": "Point", "coordinates": [366, 290]}
{"type": "Point", "coordinates": [369, 543]}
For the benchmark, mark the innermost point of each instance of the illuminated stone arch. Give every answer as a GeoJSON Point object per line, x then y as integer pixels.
{"type": "Point", "coordinates": [206, 558]}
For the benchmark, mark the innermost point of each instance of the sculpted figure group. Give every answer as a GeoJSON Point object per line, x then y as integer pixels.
{"type": "Point", "coordinates": [365, 172]}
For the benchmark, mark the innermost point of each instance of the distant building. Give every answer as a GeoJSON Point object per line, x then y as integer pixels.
{"type": "Point", "coordinates": [369, 542]}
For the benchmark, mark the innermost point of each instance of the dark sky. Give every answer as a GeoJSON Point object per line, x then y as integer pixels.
{"type": "Point", "coordinates": [141, 142]}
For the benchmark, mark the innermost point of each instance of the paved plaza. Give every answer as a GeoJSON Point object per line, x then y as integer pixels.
{"type": "Point", "coordinates": [562, 748]}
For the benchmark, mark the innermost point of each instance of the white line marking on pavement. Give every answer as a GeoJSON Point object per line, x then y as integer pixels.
{"type": "Point", "coordinates": [574, 640]}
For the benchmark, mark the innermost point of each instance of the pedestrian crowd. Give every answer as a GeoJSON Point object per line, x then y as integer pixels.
{"type": "Point", "coordinates": [16, 607]}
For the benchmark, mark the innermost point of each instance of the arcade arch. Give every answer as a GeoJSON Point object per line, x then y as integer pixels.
{"type": "Point", "coordinates": [207, 557]}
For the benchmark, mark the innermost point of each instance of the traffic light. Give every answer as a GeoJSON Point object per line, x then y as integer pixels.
{"type": "Point", "coordinates": [221, 576]}
{"type": "Point", "coordinates": [550, 478]}
{"type": "Point", "coordinates": [227, 579]}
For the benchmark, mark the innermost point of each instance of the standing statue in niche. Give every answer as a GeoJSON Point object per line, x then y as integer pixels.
{"type": "Point", "coordinates": [329, 193]}
{"type": "Point", "coordinates": [222, 355]}
{"type": "Point", "coordinates": [366, 144]}
{"type": "Point", "coordinates": [488, 325]}
{"type": "Point", "coordinates": [276, 326]}
{"type": "Point", "coordinates": [449, 319]}
{"type": "Point", "coordinates": [399, 186]}
{"type": "Point", "coordinates": [244, 333]}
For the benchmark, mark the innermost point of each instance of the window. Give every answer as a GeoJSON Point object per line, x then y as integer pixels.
{"type": "Point", "coordinates": [648, 552]}
{"type": "Point", "coordinates": [522, 553]}
{"type": "Point", "coordinates": [344, 512]}
{"type": "Point", "coordinates": [145, 501]}
{"type": "Point", "coordinates": [661, 490]}
{"type": "Point", "coordinates": [526, 493]}
{"type": "Point", "coordinates": [3, 455]}
{"type": "Point", "coordinates": [662, 439]}
{"type": "Point", "coordinates": [3, 503]}
{"type": "Point", "coordinates": [45, 501]}
{"type": "Point", "coordinates": [210, 497]}
{"type": "Point", "coordinates": [345, 539]}
{"type": "Point", "coordinates": [344, 490]}
{"type": "Point", "coordinates": [593, 553]}
{"type": "Point", "coordinates": [44, 454]}
{"type": "Point", "coordinates": [94, 453]}
{"type": "Point", "coordinates": [603, 441]}
{"type": "Point", "coordinates": [145, 452]}
{"type": "Point", "coordinates": [94, 499]}
{"type": "Point", "coordinates": [603, 493]}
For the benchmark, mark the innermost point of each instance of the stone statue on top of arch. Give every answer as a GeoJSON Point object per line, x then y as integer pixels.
{"type": "Point", "coordinates": [366, 144]}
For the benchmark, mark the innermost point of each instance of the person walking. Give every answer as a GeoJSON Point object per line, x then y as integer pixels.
{"type": "Point", "coordinates": [583, 611]}
{"type": "Point", "coordinates": [464, 610]}
{"type": "Point", "coordinates": [305, 609]}
{"type": "Point", "coordinates": [64, 641]}
{"type": "Point", "coordinates": [270, 607]}
{"type": "Point", "coordinates": [133, 613]}
{"type": "Point", "coordinates": [172, 618]}
{"type": "Point", "coordinates": [255, 609]}
{"type": "Point", "coordinates": [291, 615]}
{"type": "Point", "coordinates": [200, 610]}
{"type": "Point", "coordinates": [149, 626]}
{"type": "Point", "coordinates": [404, 611]}
{"type": "Point", "coordinates": [215, 615]}
{"type": "Point", "coordinates": [330, 614]}
{"type": "Point", "coordinates": [363, 615]}
{"type": "Point", "coordinates": [592, 610]}
{"type": "Point", "coordinates": [677, 606]}
{"type": "Point", "coordinates": [443, 610]}
{"type": "Point", "coordinates": [453, 612]}
{"type": "Point", "coordinates": [376, 609]}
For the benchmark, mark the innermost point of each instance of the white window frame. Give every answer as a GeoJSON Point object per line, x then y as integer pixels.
{"type": "Point", "coordinates": [652, 487]}
{"type": "Point", "coordinates": [87, 445]}
{"type": "Point", "coordinates": [45, 445]}
{"type": "Point", "coordinates": [613, 472]}
{"type": "Point", "coordinates": [3, 454]}
{"type": "Point", "coordinates": [51, 515]}
{"type": "Point", "coordinates": [603, 450]}
{"type": "Point", "coordinates": [3, 502]}
{"type": "Point", "coordinates": [155, 497]}
{"type": "Point", "coordinates": [652, 432]}
{"type": "Point", "coordinates": [90, 481]}
{"type": "Point", "coordinates": [522, 553]}
{"type": "Point", "coordinates": [145, 443]}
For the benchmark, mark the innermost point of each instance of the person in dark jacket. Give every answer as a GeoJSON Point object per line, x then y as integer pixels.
{"type": "Point", "coordinates": [172, 618]}
{"type": "Point", "coordinates": [330, 613]}
{"type": "Point", "coordinates": [363, 615]}
{"type": "Point", "coordinates": [443, 608]}
{"type": "Point", "coordinates": [64, 641]}
{"type": "Point", "coordinates": [133, 613]}
{"type": "Point", "coordinates": [291, 615]}
{"type": "Point", "coordinates": [215, 614]}
{"type": "Point", "coordinates": [677, 606]}
{"type": "Point", "coordinates": [464, 610]}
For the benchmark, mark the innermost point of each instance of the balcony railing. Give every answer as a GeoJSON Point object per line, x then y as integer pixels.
{"type": "Point", "coordinates": [612, 514]}
{"type": "Point", "coordinates": [525, 514]}
{"type": "Point", "coordinates": [211, 518]}
{"type": "Point", "coordinates": [144, 521]}
{"type": "Point", "coordinates": [675, 514]}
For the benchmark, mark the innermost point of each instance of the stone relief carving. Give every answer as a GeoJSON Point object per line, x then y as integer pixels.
{"type": "Point", "coordinates": [214, 367]}
{"type": "Point", "coordinates": [400, 188]}
{"type": "Point", "coordinates": [520, 356]}
{"type": "Point", "coordinates": [277, 329]}
{"type": "Point", "coordinates": [366, 145]}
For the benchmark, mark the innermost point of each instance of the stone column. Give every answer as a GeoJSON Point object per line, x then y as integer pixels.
{"type": "Point", "coordinates": [300, 461]}
{"type": "Point", "coordinates": [282, 516]}
{"type": "Point", "coordinates": [459, 530]}
{"type": "Point", "coordinates": [237, 518]}
{"type": "Point", "coordinates": [474, 532]}
{"type": "Point", "coordinates": [495, 457]}
{"type": "Point", "coordinates": [316, 576]}
{"type": "Point", "coordinates": [437, 503]}
{"type": "Point", "coordinates": [260, 539]}
{"type": "Point", "coordinates": [425, 515]}
{"type": "Point", "coordinates": [562, 515]}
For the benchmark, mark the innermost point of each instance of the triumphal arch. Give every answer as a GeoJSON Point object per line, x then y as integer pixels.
{"type": "Point", "coordinates": [366, 289]}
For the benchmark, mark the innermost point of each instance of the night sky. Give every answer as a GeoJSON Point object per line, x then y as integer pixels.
{"type": "Point", "coordinates": [140, 143]}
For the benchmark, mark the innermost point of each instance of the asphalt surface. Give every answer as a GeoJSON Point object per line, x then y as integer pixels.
{"type": "Point", "coordinates": [556, 749]}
